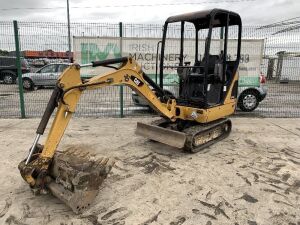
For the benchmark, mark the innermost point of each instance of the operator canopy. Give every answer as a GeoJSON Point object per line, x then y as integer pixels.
{"type": "Point", "coordinates": [201, 19]}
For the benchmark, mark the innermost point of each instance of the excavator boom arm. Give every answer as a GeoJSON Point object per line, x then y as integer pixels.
{"type": "Point", "coordinates": [129, 74]}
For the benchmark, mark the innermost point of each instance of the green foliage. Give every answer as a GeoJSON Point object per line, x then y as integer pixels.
{"type": "Point", "coordinates": [3, 52]}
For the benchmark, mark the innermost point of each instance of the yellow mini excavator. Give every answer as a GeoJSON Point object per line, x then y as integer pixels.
{"type": "Point", "coordinates": [193, 120]}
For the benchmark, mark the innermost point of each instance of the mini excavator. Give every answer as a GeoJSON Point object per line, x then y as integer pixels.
{"type": "Point", "coordinates": [192, 121]}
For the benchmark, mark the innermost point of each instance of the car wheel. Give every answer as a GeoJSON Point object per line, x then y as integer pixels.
{"type": "Point", "coordinates": [8, 78]}
{"type": "Point", "coordinates": [248, 101]}
{"type": "Point", "coordinates": [28, 84]}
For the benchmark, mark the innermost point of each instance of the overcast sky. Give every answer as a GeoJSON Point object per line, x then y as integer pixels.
{"type": "Point", "coordinates": [258, 12]}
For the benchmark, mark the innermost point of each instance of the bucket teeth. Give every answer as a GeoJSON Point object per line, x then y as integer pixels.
{"type": "Point", "coordinates": [84, 155]}
{"type": "Point", "coordinates": [103, 162]}
{"type": "Point", "coordinates": [97, 162]}
{"type": "Point", "coordinates": [69, 150]}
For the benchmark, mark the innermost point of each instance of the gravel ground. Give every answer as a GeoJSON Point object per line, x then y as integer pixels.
{"type": "Point", "coordinates": [252, 177]}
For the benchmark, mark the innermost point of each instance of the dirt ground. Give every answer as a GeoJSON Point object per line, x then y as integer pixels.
{"type": "Point", "coordinates": [252, 177]}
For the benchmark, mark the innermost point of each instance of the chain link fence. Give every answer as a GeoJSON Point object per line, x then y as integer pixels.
{"type": "Point", "coordinates": [44, 46]}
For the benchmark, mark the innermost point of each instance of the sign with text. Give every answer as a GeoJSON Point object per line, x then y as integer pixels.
{"type": "Point", "coordinates": [144, 50]}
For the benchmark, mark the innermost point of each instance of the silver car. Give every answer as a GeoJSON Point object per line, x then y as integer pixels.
{"type": "Point", "coordinates": [46, 76]}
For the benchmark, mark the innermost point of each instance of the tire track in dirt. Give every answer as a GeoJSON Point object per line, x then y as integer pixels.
{"type": "Point", "coordinates": [150, 163]}
{"type": "Point", "coordinates": [8, 203]}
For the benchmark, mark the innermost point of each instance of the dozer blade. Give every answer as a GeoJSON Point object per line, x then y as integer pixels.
{"type": "Point", "coordinates": [76, 178]}
{"type": "Point", "coordinates": [170, 137]}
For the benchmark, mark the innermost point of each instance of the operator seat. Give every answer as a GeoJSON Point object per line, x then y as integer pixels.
{"type": "Point", "coordinates": [214, 79]}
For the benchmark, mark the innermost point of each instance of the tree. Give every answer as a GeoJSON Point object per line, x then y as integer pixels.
{"type": "Point", "coordinates": [3, 52]}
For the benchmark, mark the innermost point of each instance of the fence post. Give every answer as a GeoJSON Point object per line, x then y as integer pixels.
{"type": "Point", "coordinates": [121, 86]}
{"type": "Point", "coordinates": [279, 65]}
{"type": "Point", "coordinates": [18, 62]}
{"type": "Point", "coordinates": [271, 64]}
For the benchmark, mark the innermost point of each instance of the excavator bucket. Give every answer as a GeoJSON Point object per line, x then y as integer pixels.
{"type": "Point", "coordinates": [170, 137]}
{"type": "Point", "coordinates": [76, 177]}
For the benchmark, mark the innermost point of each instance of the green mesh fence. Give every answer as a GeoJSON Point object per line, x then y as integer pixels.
{"type": "Point", "coordinates": [44, 51]}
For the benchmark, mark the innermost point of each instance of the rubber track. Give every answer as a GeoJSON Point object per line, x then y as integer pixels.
{"type": "Point", "coordinates": [193, 132]}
